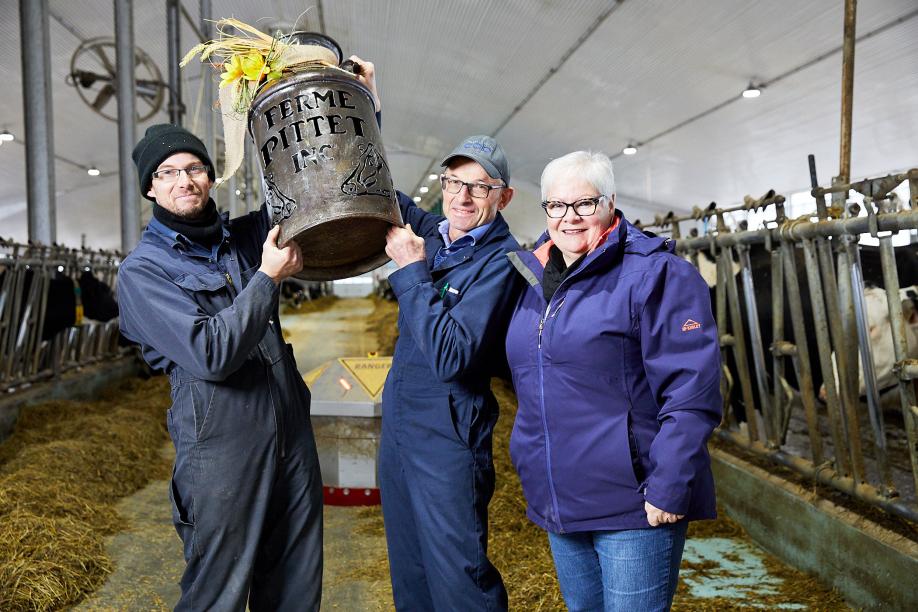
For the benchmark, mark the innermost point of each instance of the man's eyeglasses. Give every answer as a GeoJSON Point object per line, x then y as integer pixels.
{"type": "Point", "coordinates": [476, 190]}
{"type": "Point", "coordinates": [170, 175]}
{"type": "Point", "coordinates": [584, 207]}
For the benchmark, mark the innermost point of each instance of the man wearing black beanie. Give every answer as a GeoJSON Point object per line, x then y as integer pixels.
{"type": "Point", "coordinates": [199, 294]}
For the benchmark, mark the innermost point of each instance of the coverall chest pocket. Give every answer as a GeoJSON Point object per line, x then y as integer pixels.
{"type": "Point", "coordinates": [449, 295]}
{"type": "Point", "coordinates": [208, 289]}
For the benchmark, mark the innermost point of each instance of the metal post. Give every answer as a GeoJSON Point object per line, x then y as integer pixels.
{"type": "Point", "coordinates": [824, 351]}
{"type": "Point", "coordinates": [844, 164]}
{"type": "Point", "coordinates": [127, 130]}
{"type": "Point", "coordinates": [207, 81]}
{"type": "Point", "coordinates": [739, 335]}
{"type": "Point", "coordinates": [867, 369]}
{"type": "Point", "coordinates": [173, 29]}
{"type": "Point", "coordinates": [781, 409]}
{"type": "Point", "coordinates": [900, 345]}
{"type": "Point", "coordinates": [846, 352]}
{"type": "Point", "coordinates": [35, 46]}
{"type": "Point", "coordinates": [805, 377]}
{"type": "Point", "coordinates": [755, 338]}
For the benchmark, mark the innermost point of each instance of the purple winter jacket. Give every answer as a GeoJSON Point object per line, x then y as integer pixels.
{"type": "Point", "coordinates": [618, 383]}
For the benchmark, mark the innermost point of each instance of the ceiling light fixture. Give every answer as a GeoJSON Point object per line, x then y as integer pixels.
{"type": "Point", "coordinates": [5, 136]}
{"type": "Point", "coordinates": [93, 171]}
{"type": "Point", "coordinates": [752, 90]}
{"type": "Point", "coordinates": [432, 177]}
{"type": "Point", "coordinates": [417, 199]}
{"type": "Point", "coordinates": [631, 149]}
{"type": "Point", "coordinates": [424, 189]}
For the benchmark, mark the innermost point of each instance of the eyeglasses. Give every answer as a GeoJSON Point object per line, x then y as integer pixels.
{"type": "Point", "coordinates": [170, 175]}
{"type": "Point", "coordinates": [476, 190]}
{"type": "Point", "coordinates": [584, 207]}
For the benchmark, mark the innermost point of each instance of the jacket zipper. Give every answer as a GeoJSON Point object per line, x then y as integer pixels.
{"type": "Point", "coordinates": [551, 484]}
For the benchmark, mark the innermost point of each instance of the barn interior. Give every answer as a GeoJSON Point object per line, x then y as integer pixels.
{"type": "Point", "coordinates": [775, 144]}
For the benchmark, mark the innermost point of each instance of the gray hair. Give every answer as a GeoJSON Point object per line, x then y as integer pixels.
{"type": "Point", "coordinates": [595, 168]}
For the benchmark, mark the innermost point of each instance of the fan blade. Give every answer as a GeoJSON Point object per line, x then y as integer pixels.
{"type": "Point", "coordinates": [105, 61]}
{"type": "Point", "coordinates": [105, 94]}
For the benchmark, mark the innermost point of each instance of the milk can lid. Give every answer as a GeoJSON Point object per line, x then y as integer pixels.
{"type": "Point", "coordinates": [316, 38]}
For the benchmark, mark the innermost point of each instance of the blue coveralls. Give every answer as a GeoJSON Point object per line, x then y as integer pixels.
{"type": "Point", "coordinates": [246, 489]}
{"type": "Point", "coordinates": [435, 467]}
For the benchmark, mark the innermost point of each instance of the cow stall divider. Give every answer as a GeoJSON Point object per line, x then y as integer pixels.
{"type": "Point", "coordinates": [40, 337]}
{"type": "Point", "coordinates": [822, 252]}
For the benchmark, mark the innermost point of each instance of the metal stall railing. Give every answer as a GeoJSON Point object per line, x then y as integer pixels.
{"type": "Point", "coordinates": [28, 312]}
{"type": "Point", "coordinates": [814, 264]}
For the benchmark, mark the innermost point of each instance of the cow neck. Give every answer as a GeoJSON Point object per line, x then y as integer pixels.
{"type": "Point", "coordinates": [206, 230]}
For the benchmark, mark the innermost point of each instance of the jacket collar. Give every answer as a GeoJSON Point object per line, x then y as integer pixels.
{"type": "Point", "coordinates": [497, 230]}
{"type": "Point", "coordinates": [622, 238]}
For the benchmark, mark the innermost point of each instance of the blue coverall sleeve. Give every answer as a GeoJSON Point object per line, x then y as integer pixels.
{"type": "Point", "coordinates": [157, 312]}
{"type": "Point", "coordinates": [456, 340]}
{"type": "Point", "coordinates": [681, 355]}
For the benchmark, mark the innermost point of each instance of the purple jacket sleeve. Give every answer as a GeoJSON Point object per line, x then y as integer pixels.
{"type": "Point", "coordinates": [681, 354]}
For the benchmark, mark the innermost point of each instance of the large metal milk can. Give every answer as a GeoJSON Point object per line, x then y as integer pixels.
{"type": "Point", "coordinates": [324, 170]}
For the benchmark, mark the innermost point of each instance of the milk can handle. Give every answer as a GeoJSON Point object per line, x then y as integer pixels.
{"type": "Point", "coordinates": [350, 66]}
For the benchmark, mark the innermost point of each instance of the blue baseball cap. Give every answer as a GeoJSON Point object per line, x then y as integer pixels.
{"type": "Point", "coordinates": [487, 152]}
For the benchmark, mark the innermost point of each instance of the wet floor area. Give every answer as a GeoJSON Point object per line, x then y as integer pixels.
{"type": "Point", "coordinates": [720, 570]}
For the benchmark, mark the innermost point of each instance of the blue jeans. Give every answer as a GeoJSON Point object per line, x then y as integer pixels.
{"type": "Point", "coordinates": [633, 570]}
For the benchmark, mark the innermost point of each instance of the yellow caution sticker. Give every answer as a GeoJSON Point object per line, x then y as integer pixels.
{"type": "Point", "coordinates": [312, 375]}
{"type": "Point", "coordinates": [370, 372]}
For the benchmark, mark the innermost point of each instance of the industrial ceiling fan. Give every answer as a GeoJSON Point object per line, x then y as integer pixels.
{"type": "Point", "coordinates": [92, 73]}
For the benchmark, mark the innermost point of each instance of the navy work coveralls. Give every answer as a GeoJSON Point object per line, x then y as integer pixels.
{"type": "Point", "coordinates": [435, 468]}
{"type": "Point", "coordinates": [246, 489]}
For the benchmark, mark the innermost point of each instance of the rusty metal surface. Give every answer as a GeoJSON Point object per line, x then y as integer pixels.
{"type": "Point", "coordinates": [324, 171]}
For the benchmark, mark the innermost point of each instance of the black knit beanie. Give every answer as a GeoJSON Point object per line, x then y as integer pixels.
{"type": "Point", "coordinates": [161, 141]}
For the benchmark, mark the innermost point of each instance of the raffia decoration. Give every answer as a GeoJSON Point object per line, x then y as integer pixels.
{"type": "Point", "coordinates": [251, 60]}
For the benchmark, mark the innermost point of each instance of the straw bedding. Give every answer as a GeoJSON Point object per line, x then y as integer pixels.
{"type": "Point", "coordinates": [61, 472]}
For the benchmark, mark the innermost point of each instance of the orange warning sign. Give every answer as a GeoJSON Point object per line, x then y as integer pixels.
{"type": "Point", "coordinates": [370, 372]}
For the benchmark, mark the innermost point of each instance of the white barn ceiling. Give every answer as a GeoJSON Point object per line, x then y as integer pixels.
{"type": "Point", "coordinates": [547, 77]}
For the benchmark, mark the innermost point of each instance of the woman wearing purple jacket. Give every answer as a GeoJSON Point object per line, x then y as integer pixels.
{"type": "Point", "coordinates": [616, 365]}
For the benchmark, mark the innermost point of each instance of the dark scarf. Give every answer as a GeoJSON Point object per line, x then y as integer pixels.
{"type": "Point", "coordinates": [556, 270]}
{"type": "Point", "coordinates": [206, 230]}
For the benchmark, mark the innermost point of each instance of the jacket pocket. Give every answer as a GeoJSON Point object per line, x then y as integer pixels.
{"type": "Point", "coordinates": [460, 416]}
{"type": "Point", "coordinates": [181, 509]}
{"type": "Point", "coordinates": [636, 466]}
{"type": "Point", "coordinates": [205, 281]}
{"type": "Point", "coordinates": [202, 401]}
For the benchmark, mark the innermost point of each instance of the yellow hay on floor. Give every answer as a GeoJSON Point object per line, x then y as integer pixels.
{"type": "Point", "coordinates": [61, 472]}
{"type": "Point", "coordinates": [309, 306]}
{"type": "Point", "coordinates": [383, 323]}
{"type": "Point", "coordinates": [47, 563]}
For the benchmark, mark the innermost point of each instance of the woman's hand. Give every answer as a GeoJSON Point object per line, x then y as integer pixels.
{"type": "Point", "coordinates": [367, 76]}
{"type": "Point", "coordinates": [657, 517]}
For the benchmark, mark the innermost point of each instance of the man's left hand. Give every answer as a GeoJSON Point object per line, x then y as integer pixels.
{"type": "Point", "coordinates": [404, 246]}
{"type": "Point", "coordinates": [656, 517]}
{"type": "Point", "coordinates": [367, 76]}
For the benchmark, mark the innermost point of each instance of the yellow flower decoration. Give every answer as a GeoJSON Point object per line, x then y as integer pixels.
{"type": "Point", "coordinates": [233, 71]}
{"type": "Point", "coordinates": [251, 67]}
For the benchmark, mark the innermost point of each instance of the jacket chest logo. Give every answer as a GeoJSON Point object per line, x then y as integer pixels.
{"type": "Point", "coordinates": [689, 325]}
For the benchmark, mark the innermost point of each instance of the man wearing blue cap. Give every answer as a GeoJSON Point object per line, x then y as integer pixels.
{"type": "Point", "coordinates": [455, 289]}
